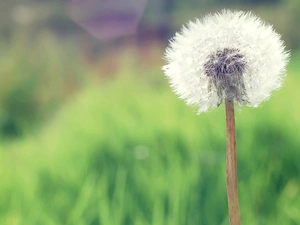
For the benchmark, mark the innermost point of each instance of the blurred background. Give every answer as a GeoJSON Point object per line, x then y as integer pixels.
{"type": "Point", "coordinates": [91, 133]}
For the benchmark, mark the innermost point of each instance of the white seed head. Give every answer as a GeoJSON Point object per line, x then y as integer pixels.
{"type": "Point", "coordinates": [230, 55]}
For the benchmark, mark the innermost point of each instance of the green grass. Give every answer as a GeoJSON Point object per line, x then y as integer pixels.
{"type": "Point", "coordinates": [129, 152]}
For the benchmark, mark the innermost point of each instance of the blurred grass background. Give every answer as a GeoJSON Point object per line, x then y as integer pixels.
{"type": "Point", "coordinates": [91, 133]}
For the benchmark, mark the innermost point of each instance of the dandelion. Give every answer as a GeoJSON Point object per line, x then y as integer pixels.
{"type": "Point", "coordinates": [230, 57]}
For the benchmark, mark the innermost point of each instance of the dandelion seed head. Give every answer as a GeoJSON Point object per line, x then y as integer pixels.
{"type": "Point", "coordinates": [229, 55]}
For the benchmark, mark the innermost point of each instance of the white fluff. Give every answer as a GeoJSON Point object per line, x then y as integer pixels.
{"type": "Point", "coordinates": [257, 41]}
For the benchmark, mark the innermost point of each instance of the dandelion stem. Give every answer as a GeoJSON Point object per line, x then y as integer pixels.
{"type": "Point", "coordinates": [231, 173]}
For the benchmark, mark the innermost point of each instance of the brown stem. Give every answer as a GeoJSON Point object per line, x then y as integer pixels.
{"type": "Point", "coordinates": [231, 174]}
